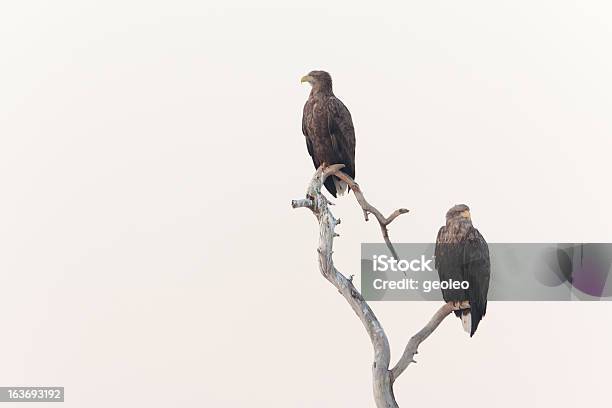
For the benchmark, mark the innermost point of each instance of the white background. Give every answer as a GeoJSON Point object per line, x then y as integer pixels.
{"type": "Point", "coordinates": [149, 151]}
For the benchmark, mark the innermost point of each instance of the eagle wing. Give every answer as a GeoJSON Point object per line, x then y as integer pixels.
{"type": "Point", "coordinates": [448, 262]}
{"type": "Point", "coordinates": [477, 270]}
{"type": "Point", "coordinates": [342, 133]}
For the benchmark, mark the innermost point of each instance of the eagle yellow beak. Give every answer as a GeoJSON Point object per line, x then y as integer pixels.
{"type": "Point", "coordinates": [306, 78]}
{"type": "Point", "coordinates": [466, 214]}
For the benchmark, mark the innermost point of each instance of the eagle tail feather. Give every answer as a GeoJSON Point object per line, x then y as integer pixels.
{"type": "Point", "coordinates": [466, 321]}
{"type": "Point", "coordinates": [330, 185]}
{"type": "Point", "coordinates": [341, 186]}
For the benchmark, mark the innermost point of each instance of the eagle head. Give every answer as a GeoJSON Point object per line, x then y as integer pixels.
{"type": "Point", "coordinates": [319, 80]}
{"type": "Point", "coordinates": [459, 211]}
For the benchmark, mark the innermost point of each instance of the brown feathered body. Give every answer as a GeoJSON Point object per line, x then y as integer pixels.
{"type": "Point", "coordinates": [462, 254]}
{"type": "Point", "coordinates": [328, 128]}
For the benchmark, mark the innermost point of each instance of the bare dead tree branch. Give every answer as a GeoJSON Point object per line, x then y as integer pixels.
{"type": "Point", "coordinates": [383, 378]}
{"type": "Point", "coordinates": [417, 339]}
{"type": "Point", "coordinates": [370, 209]}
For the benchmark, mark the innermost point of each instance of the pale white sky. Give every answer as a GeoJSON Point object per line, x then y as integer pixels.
{"type": "Point", "coordinates": [150, 151]}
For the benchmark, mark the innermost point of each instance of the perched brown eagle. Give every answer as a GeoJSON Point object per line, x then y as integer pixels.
{"type": "Point", "coordinates": [328, 128]}
{"type": "Point", "coordinates": [462, 254]}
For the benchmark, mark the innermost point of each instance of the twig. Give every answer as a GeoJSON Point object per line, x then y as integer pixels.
{"type": "Point", "coordinates": [370, 209]}
{"type": "Point", "coordinates": [413, 345]}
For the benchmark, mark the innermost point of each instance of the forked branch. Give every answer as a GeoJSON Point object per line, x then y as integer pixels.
{"type": "Point", "coordinates": [370, 209]}
{"type": "Point", "coordinates": [383, 378]}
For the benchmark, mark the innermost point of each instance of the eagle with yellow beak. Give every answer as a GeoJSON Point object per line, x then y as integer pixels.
{"type": "Point", "coordinates": [328, 128]}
